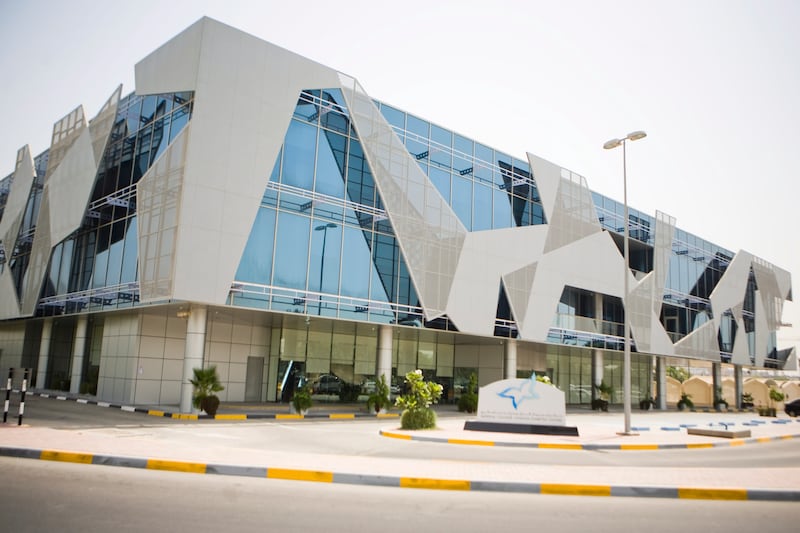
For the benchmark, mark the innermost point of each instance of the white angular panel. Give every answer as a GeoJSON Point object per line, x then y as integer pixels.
{"type": "Point", "coordinates": [548, 178]}
{"type": "Point", "coordinates": [731, 288]}
{"type": "Point", "coordinates": [9, 308]}
{"type": "Point", "coordinates": [40, 257]}
{"type": "Point", "coordinates": [518, 286]}
{"type": "Point", "coordinates": [158, 201]}
{"type": "Point", "coordinates": [573, 215]}
{"type": "Point", "coordinates": [660, 341]}
{"type": "Point", "coordinates": [65, 132]}
{"type": "Point", "coordinates": [640, 309]}
{"type": "Point", "coordinates": [485, 258]}
{"type": "Point", "coordinates": [182, 54]}
{"type": "Point", "coordinates": [770, 293]}
{"type": "Point", "coordinates": [662, 252]}
{"type": "Point", "coordinates": [429, 233]}
{"type": "Point", "coordinates": [245, 93]}
{"type": "Point", "coordinates": [559, 268]}
{"type": "Point", "coordinates": [70, 186]}
{"type": "Point", "coordinates": [24, 176]}
{"type": "Point", "coordinates": [701, 343]}
{"type": "Point", "coordinates": [762, 330]}
{"type": "Point", "coordinates": [741, 351]}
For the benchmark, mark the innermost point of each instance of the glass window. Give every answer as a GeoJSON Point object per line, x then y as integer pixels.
{"type": "Point", "coordinates": [356, 261]}
{"type": "Point", "coordinates": [360, 185]}
{"type": "Point", "coordinates": [326, 243]}
{"type": "Point", "coordinates": [256, 263]}
{"type": "Point", "coordinates": [418, 126]}
{"type": "Point", "coordinates": [441, 179]}
{"type": "Point", "coordinates": [291, 251]}
{"type": "Point", "coordinates": [483, 208]}
{"type": "Point", "coordinates": [330, 164]}
{"type": "Point", "coordinates": [299, 149]}
{"type": "Point", "coordinates": [501, 215]}
{"type": "Point", "coordinates": [462, 200]}
{"type": "Point", "coordinates": [393, 116]}
{"type": "Point", "coordinates": [130, 252]}
{"type": "Point", "coordinates": [180, 117]}
{"type": "Point", "coordinates": [160, 136]}
{"type": "Point", "coordinates": [149, 108]}
{"type": "Point", "coordinates": [462, 144]}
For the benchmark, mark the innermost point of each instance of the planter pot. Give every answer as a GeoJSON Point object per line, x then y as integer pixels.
{"type": "Point", "coordinates": [721, 407]}
{"type": "Point", "coordinates": [210, 404]}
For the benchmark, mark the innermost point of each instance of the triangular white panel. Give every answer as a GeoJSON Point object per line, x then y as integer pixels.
{"type": "Point", "coordinates": [731, 288]}
{"type": "Point", "coordinates": [485, 258]}
{"type": "Point", "coordinates": [741, 350]}
{"type": "Point", "coordinates": [662, 253]}
{"type": "Point", "coordinates": [518, 286]}
{"type": "Point", "coordinates": [701, 343]}
{"type": "Point", "coordinates": [245, 93]}
{"type": "Point", "coordinates": [429, 233]}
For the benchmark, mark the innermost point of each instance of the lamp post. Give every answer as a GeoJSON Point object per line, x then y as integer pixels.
{"type": "Point", "coordinates": [626, 361]}
{"type": "Point", "coordinates": [324, 229]}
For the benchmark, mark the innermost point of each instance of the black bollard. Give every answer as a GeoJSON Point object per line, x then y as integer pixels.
{"type": "Point", "coordinates": [8, 394]}
{"type": "Point", "coordinates": [22, 398]}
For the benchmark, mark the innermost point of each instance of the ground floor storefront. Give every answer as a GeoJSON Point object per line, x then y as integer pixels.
{"type": "Point", "coordinates": [145, 356]}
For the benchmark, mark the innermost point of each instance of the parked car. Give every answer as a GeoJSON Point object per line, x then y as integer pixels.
{"type": "Point", "coordinates": [792, 408]}
{"type": "Point", "coordinates": [327, 384]}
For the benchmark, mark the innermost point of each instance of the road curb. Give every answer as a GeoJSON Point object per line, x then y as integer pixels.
{"type": "Point", "coordinates": [318, 476]}
{"type": "Point", "coordinates": [223, 416]}
{"type": "Point", "coordinates": [589, 447]}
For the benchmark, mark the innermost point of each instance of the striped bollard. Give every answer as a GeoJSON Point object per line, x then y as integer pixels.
{"type": "Point", "coordinates": [8, 394]}
{"type": "Point", "coordinates": [22, 398]}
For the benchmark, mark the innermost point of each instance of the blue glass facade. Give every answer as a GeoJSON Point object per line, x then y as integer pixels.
{"type": "Point", "coordinates": [313, 242]}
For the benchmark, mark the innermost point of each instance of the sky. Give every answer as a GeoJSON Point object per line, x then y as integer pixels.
{"type": "Point", "coordinates": [714, 83]}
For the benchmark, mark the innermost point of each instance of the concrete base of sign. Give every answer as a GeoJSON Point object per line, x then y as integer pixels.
{"type": "Point", "coordinates": [509, 427]}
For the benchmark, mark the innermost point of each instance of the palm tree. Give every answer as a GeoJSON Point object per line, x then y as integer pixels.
{"type": "Point", "coordinates": [206, 383]}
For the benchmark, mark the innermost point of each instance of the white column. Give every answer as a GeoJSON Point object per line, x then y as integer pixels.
{"type": "Point", "coordinates": [597, 370]}
{"type": "Point", "coordinates": [78, 347]}
{"type": "Point", "coordinates": [716, 377]}
{"type": "Point", "coordinates": [510, 359]}
{"type": "Point", "coordinates": [738, 385]}
{"type": "Point", "coordinates": [383, 363]}
{"type": "Point", "coordinates": [44, 353]}
{"type": "Point", "coordinates": [193, 354]}
{"type": "Point", "coordinates": [661, 383]}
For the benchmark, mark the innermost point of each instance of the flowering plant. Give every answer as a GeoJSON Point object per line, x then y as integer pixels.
{"type": "Point", "coordinates": [417, 402]}
{"type": "Point", "coordinates": [544, 379]}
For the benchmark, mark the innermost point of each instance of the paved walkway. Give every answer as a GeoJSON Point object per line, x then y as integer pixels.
{"type": "Point", "coordinates": [655, 431]}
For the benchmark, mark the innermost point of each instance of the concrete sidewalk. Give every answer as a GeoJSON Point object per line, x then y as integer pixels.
{"type": "Point", "coordinates": [142, 448]}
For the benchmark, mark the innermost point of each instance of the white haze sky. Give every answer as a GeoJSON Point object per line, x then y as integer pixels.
{"type": "Point", "coordinates": [715, 83]}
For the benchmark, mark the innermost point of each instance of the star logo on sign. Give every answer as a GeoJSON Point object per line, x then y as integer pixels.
{"type": "Point", "coordinates": [519, 394]}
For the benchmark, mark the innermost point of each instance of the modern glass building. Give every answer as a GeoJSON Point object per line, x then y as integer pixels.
{"type": "Point", "coordinates": [251, 209]}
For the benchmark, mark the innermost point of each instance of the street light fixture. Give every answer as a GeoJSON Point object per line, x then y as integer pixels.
{"type": "Point", "coordinates": [626, 361]}
{"type": "Point", "coordinates": [324, 229]}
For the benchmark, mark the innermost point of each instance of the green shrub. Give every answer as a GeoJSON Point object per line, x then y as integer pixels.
{"type": "Point", "coordinates": [416, 403]}
{"type": "Point", "coordinates": [468, 402]}
{"type": "Point", "coordinates": [301, 401]}
{"type": "Point", "coordinates": [206, 383]}
{"type": "Point", "coordinates": [379, 399]}
{"type": "Point", "coordinates": [418, 419]}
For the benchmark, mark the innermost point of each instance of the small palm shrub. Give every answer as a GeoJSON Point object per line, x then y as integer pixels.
{"type": "Point", "coordinates": [301, 401]}
{"type": "Point", "coordinates": [379, 400]}
{"type": "Point", "coordinates": [206, 383]}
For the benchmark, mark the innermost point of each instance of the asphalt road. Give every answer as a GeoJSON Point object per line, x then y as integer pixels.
{"type": "Point", "coordinates": [360, 437]}
{"type": "Point", "coordinates": [46, 496]}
